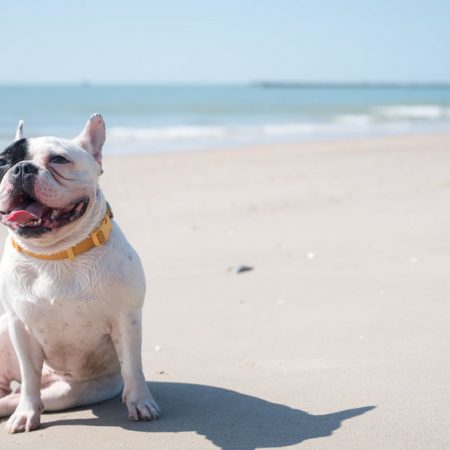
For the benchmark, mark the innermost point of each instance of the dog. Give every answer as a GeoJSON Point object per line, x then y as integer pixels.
{"type": "Point", "coordinates": [71, 285]}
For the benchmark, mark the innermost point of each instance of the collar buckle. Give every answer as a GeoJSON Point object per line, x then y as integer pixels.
{"type": "Point", "coordinates": [101, 234]}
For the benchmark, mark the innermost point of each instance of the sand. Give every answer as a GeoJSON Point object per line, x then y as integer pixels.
{"type": "Point", "coordinates": [339, 338]}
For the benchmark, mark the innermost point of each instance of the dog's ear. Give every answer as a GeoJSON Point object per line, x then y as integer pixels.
{"type": "Point", "coordinates": [93, 137]}
{"type": "Point", "coordinates": [19, 131]}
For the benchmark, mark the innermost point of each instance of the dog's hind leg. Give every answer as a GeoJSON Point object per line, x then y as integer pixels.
{"type": "Point", "coordinates": [61, 394]}
{"type": "Point", "coordinates": [9, 365]}
{"type": "Point", "coordinates": [8, 404]}
{"type": "Point", "coordinates": [9, 370]}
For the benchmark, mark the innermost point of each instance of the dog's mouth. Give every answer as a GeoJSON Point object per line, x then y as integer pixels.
{"type": "Point", "coordinates": [28, 214]}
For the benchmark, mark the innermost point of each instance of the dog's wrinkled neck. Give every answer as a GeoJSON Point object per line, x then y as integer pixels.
{"type": "Point", "coordinates": [71, 234]}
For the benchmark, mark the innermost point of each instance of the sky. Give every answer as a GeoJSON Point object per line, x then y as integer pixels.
{"type": "Point", "coordinates": [228, 41]}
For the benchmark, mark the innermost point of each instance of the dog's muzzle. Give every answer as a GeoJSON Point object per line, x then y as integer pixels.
{"type": "Point", "coordinates": [24, 176]}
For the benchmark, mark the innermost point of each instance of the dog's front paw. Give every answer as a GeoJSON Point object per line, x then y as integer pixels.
{"type": "Point", "coordinates": [24, 419]}
{"type": "Point", "coordinates": [142, 407]}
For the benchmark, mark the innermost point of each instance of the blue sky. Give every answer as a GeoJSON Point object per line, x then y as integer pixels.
{"type": "Point", "coordinates": [192, 41]}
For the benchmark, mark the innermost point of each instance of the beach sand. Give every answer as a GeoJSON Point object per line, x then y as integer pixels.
{"type": "Point", "coordinates": [339, 338]}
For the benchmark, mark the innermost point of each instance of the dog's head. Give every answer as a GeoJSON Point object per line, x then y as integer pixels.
{"type": "Point", "coordinates": [48, 184]}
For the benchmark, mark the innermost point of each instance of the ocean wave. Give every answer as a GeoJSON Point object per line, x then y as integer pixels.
{"type": "Point", "coordinates": [340, 123]}
{"type": "Point", "coordinates": [383, 120]}
{"type": "Point", "coordinates": [291, 129]}
{"type": "Point", "coordinates": [359, 120]}
{"type": "Point", "coordinates": [343, 124]}
{"type": "Point", "coordinates": [412, 112]}
{"type": "Point", "coordinates": [166, 133]}
{"type": "Point", "coordinates": [198, 132]}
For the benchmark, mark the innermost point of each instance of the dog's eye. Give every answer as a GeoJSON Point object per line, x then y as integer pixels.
{"type": "Point", "coordinates": [3, 162]}
{"type": "Point", "coordinates": [59, 159]}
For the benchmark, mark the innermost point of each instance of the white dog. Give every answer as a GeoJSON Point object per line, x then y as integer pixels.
{"type": "Point", "coordinates": [71, 285]}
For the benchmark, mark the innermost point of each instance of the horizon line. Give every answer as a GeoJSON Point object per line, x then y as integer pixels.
{"type": "Point", "coordinates": [255, 83]}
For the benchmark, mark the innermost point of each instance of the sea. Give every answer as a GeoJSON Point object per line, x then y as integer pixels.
{"type": "Point", "coordinates": [174, 118]}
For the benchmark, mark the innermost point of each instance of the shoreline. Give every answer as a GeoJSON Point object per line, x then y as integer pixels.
{"type": "Point", "coordinates": [210, 144]}
{"type": "Point", "coordinates": [352, 143]}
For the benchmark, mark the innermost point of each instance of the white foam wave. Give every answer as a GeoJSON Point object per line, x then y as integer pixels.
{"type": "Point", "coordinates": [362, 120]}
{"type": "Point", "coordinates": [412, 112]}
{"type": "Point", "coordinates": [344, 123]}
{"type": "Point", "coordinates": [380, 120]}
{"type": "Point", "coordinates": [181, 133]}
{"type": "Point", "coordinates": [289, 129]}
{"type": "Point", "coordinates": [125, 134]}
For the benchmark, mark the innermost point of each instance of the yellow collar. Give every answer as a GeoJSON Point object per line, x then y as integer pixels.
{"type": "Point", "coordinates": [97, 238]}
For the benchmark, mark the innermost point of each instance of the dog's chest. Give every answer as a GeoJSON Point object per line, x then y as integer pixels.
{"type": "Point", "coordinates": [75, 338]}
{"type": "Point", "coordinates": [50, 282]}
{"type": "Point", "coordinates": [68, 316]}
{"type": "Point", "coordinates": [65, 325]}
{"type": "Point", "coordinates": [55, 299]}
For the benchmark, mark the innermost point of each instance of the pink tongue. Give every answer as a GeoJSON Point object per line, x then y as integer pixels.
{"type": "Point", "coordinates": [22, 216]}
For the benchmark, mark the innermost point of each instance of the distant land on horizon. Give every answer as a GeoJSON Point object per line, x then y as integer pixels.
{"type": "Point", "coordinates": [351, 84]}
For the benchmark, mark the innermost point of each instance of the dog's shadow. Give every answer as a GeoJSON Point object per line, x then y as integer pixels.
{"type": "Point", "coordinates": [227, 418]}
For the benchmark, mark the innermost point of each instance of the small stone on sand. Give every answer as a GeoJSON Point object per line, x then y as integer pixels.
{"type": "Point", "coordinates": [241, 269]}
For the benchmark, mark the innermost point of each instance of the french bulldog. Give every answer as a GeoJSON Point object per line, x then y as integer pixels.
{"type": "Point", "coordinates": [71, 334]}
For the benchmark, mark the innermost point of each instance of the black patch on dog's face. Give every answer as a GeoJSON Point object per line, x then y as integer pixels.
{"type": "Point", "coordinates": [12, 154]}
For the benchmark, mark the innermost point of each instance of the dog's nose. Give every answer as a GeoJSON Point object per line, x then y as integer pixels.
{"type": "Point", "coordinates": [24, 169]}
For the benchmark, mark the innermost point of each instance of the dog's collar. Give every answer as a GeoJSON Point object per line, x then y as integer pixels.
{"type": "Point", "coordinates": [97, 238]}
